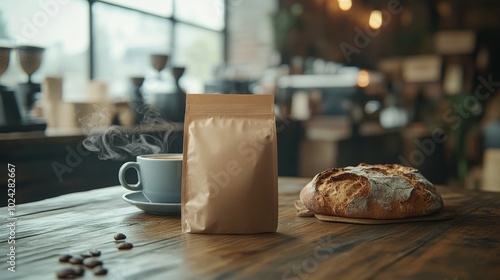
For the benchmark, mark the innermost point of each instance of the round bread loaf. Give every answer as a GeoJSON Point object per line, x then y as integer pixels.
{"type": "Point", "coordinates": [389, 191]}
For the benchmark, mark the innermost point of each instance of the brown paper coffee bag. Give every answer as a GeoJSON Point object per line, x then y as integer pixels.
{"type": "Point", "coordinates": [230, 165]}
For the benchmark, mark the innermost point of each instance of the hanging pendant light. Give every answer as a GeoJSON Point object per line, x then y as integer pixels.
{"type": "Point", "coordinates": [375, 20]}
{"type": "Point", "coordinates": [345, 5]}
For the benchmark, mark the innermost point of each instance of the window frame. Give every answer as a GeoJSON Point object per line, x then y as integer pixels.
{"type": "Point", "coordinates": [172, 19]}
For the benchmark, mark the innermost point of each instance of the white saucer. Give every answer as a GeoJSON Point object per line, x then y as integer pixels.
{"type": "Point", "coordinates": [140, 201]}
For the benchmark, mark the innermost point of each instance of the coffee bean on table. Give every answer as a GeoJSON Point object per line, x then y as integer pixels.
{"type": "Point", "coordinates": [86, 254]}
{"type": "Point", "coordinates": [99, 270]}
{"type": "Point", "coordinates": [66, 273]}
{"type": "Point", "coordinates": [95, 252]}
{"type": "Point", "coordinates": [75, 260]}
{"type": "Point", "coordinates": [120, 236]}
{"type": "Point", "coordinates": [79, 271]}
{"type": "Point", "coordinates": [92, 263]}
{"type": "Point", "coordinates": [125, 246]}
{"type": "Point", "coordinates": [65, 258]}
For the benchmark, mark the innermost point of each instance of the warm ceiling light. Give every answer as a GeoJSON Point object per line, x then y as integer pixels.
{"type": "Point", "coordinates": [363, 79]}
{"type": "Point", "coordinates": [444, 8]}
{"type": "Point", "coordinates": [345, 5]}
{"type": "Point", "coordinates": [375, 21]}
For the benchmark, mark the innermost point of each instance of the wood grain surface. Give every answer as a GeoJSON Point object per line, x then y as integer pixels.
{"type": "Point", "coordinates": [464, 247]}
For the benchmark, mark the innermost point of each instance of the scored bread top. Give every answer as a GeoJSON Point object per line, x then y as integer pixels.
{"type": "Point", "coordinates": [389, 191]}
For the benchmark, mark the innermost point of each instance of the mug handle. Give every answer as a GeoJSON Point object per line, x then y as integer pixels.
{"type": "Point", "coordinates": [121, 176]}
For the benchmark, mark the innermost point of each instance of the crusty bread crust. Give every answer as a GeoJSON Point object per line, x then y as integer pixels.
{"type": "Point", "coordinates": [389, 191]}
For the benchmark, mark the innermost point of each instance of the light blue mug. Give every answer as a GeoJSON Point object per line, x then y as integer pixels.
{"type": "Point", "coordinates": [160, 177]}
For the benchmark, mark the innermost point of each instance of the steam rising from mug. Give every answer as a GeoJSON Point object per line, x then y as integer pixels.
{"type": "Point", "coordinates": [117, 142]}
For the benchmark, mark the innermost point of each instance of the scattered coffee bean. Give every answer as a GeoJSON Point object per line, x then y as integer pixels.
{"type": "Point", "coordinates": [120, 236]}
{"type": "Point", "coordinates": [86, 254]}
{"type": "Point", "coordinates": [95, 252]}
{"type": "Point", "coordinates": [65, 258]}
{"type": "Point", "coordinates": [66, 273]}
{"type": "Point", "coordinates": [75, 260]}
{"type": "Point", "coordinates": [79, 271]}
{"type": "Point", "coordinates": [92, 263]}
{"type": "Point", "coordinates": [99, 270]}
{"type": "Point", "coordinates": [125, 246]}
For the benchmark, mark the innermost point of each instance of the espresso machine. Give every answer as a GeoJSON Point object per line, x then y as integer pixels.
{"type": "Point", "coordinates": [171, 100]}
{"type": "Point", "coordinates": [15, 106]}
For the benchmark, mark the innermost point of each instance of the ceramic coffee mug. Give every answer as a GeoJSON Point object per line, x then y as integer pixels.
{"type": "Point", "coordinates": [160, 177]}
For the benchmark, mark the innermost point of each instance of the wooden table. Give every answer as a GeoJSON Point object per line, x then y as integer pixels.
{"type": "Point", "coordinates": [465, 247]}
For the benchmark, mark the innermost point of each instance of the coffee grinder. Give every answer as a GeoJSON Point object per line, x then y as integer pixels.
{"type": "Point", "coordinates": [30, 59]}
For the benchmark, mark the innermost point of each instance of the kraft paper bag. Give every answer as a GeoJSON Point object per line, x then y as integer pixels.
{"type": "Point", "coordinates": [230, 165]}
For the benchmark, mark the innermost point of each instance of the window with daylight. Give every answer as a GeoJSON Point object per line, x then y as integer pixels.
{"type": "Point", "coordinates": [61, 27]}
{"type": "Point", "coordinates": [112, 40]}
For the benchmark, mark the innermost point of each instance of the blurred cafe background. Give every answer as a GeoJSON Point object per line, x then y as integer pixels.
{"type": "Point", "coordinates": [376, 81]}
